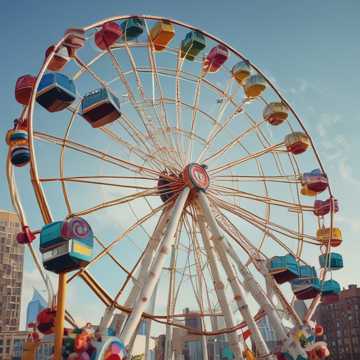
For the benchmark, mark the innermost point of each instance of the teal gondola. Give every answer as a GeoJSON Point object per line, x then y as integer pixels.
{"type": "Point", "coordinates": [132, 28]}
{"type": "Point", "coordinates": [66, 245]}
{"type": "Point", "coordinates": [192, 45]}
{"type": "Point", "coordinates": [56, 92]}
{"type": "Point", "coordinates": [330, 291]}
{"type": "Point", "coordinates": [283, 268]}
{"type": "Point", "coordinates": [331, 261]}
{"type": "Point", "coordinates": [307, 286]}
{"type": "Point", "coordinates": [100, 107]}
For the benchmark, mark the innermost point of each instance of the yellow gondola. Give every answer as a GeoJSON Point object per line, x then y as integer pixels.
{"type": "Point", "coordinates": [254, 86]}
{"type": "Point", "coordinates": [332, 235]}
{"type": "Point", "coordinates": [241, 71]}
{"type": "Point", "coordinates": [161, 34]}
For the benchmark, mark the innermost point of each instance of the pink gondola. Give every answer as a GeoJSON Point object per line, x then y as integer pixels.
{"type": "Point", "coordinates": [216, 58]}
{"type": "Point", "coordinates": [74, 40]}
{"type": "Point", "coordinates": [322, 208]}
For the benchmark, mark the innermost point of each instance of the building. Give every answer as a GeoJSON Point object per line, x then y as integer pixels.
{"type": "Point", "coordinates": [341, 322]}
{"type": "Point", "coordinates": [11, 344]}
{"type": "Point", "coordinates": [300, 308]}
{"type": "Point", "coordinates": [36, 304]}
{"type": "Point", "coordinates": [11, 271]}
{"type": "Point", "coordinates": [267, 333]}
{"type": "Point", "coordinates": [189, 346]}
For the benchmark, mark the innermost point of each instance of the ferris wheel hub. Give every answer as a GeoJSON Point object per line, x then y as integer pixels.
{"type": "Point", "coordinates": [196, 177]}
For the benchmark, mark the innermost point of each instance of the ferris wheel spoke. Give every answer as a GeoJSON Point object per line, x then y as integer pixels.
{"type": "Point", "coordinates": [219, 127]}
{"type": "Point", "coordinates": [256, 178]}
{"type": "Point", "coordinates": [226, 191]}
{"type": "Point", "coordinates": [126, 233]}
{"type": "Point", "coordinates": [195, 108]}
{"type": "Point", "coordinates": [112, 257]}
{"type": "Point", "coordinates": [124, 81]}
{"type": "Point", "coordinates": [271, 225]}
{"type": "Point", "coordinates": [233, 142]}
{"type": "Point", "coordinates": [146, 157]}
{"type": "Point", "coordinates": [83, 180]}
{"type": "Point", "coordinates": [95, 153]}
{"type": "Point", "coordinates": [265, 229]}
{"type": "Point", "coordinates": [178, 103]}
{"type": "Point", "coordinates": [133, 132]}
{"type": "Point", "coordinates": [82, 70]}
{"type": "Point", "coordinates": [163, 114]}
{"type": "Point", "coordinates": [252, 156]}
{"type": "Point", "coordinates": [147, 123]}
{"type": "Point", "coordinates": [116, 202]}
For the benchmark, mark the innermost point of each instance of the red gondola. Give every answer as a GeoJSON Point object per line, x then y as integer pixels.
{"type": "Point", "coordinates": [108, 35]}
{"type": "Point", "coordinates": [23, 88]}
{"type": "Point", "coordinates": [59, 60]}
{"type": "Point", "coordinates": [46, 321]}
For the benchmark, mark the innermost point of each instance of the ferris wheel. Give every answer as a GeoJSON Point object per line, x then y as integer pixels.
{"type": "Point", "coordinates": [171, 173]}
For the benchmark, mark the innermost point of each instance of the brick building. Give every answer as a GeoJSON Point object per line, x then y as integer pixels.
{"type": "Point", "coordinates": [11, 271]}
{"type": "Point", "coordinates": [342, 325]}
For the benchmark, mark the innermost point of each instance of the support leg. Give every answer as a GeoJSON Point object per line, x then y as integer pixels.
{"type": "Point", "coordinates": [170, 305]}
{"type": "Point", "coordinates": [239, 295]}
{"type": "Point", "coordinates": [220, 289]}
{"type": "Point", "coordinates": [60, 316]}
{"type": "Point", "coordinates": [156, 267]}
{"type": "Point", "coordinates": [258, 294]}
{"type": "Point", "coordinates": [144, 267]}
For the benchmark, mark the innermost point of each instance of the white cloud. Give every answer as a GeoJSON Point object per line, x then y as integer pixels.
{"type": "Point", "coordinates": [353, 223]}
{"type": "Point", "coordinates": [347, 174]}
{"type": "Point", "coordinates": [337, 147]}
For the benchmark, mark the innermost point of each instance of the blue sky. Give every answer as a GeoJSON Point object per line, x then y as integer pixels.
{"type": "Point", "coordinates": [310, 50]}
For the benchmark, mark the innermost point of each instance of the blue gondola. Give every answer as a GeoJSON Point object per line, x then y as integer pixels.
{"type": "Point", "coordinates": [332, 261]}
{"type": "Point", "coordinates": [66, 245]}
{"type": "Point", "coordinates": [56, 92]}
{"type": "Point", "coordinates": [20, 155]}
{"type": "Point", "coordinates": [193, 43]}
{"type": "Point", "coordinates": [283, 268]}
{"type": "Point", "coordinates": [132, 28]}
{"type": "Point", "coordinates": [307, 286]}
{"type": "Point", "coordinates": [18, 142]}
{"type": "Point", "coordinates": [100, 107]}
{"type": "Point", "coordinates": [330, 291]}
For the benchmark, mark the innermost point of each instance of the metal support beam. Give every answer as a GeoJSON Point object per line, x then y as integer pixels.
{"type": "Point", "coordinates": [239, 295]}
{"type": "Point", "coordinates": [234, 342]}
{"type": "Point", "coordinates": [154, 273]}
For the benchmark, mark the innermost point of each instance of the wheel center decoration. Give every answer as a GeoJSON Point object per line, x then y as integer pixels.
{"type": "Point", "coordinates": [195, 176]}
